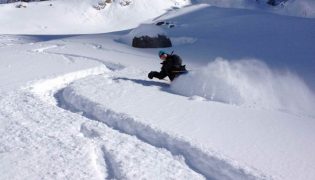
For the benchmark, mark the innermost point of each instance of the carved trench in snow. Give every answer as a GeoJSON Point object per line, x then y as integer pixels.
{"type": "Point", "coordinates": [210, 166]}
{"type": "Point", "coordinates": [199, 161]}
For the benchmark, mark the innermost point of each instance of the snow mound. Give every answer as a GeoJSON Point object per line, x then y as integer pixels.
{"type": "Point", "coordinates": [249, 83]}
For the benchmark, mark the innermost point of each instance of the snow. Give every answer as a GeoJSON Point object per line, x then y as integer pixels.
{"type": "Point", "coordinates": [79, 17]}
{"type": "Point", "coordinates": [249, 83]}
{"type": "Point", "coordinates": [302, 8]}
{"type": "Point", "coordinates": [280, 132]}
{"type": "Point", "coordinates": [43, 141]}
{"type": "Point", "coordinates": [299, 8]}
{"type": "Point", "coordinates": [82, 107]}
{"type": "Point", "coordinates": [282, 43]}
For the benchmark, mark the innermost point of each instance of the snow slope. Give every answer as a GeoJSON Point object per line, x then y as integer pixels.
{"type": "Point", "coordinates": [41, 140]}
{"type": "Point", "coordinates": [260, 139]}
{"type": "Point", "coordinates": [300, 8]}
{"type": "Point", "coordinates": [281, 42]}
{"type": "Point", "coordinates": [79, 17]}
{"type": "Point", "coordinates": [81, 106]}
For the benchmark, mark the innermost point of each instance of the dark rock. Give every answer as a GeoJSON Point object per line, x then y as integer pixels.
{"type": "Point", "coordinates": [151, 42]}
{"type": "Point", "coordinates": [165, 24]}
{"type": "Point", "coordinates": [159, 23]}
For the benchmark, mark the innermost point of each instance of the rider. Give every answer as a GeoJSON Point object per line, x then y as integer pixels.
{"type": "Point", "coordinates": [171, 67]}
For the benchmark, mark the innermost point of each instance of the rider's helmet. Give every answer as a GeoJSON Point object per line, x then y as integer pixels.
{"type": "Point", "coordinates": [162, 55]}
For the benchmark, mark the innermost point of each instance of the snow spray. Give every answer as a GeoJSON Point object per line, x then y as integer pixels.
{"type": "Point", "coordinates": [249, 83]}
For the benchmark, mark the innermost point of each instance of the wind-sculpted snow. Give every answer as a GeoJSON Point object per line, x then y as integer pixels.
{"type": "Point", "coordinates": [248, 83]}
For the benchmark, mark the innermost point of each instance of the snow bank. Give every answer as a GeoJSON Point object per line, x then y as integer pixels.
{"type": "Point", "coordinates": [249, 83]}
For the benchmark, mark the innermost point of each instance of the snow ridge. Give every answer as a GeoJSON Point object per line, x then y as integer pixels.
{"type": "Point", "coordinates": [205, 163]}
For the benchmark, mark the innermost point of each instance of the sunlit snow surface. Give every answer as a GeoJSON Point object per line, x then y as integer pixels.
{"type": "Point", "coordinates": [79, 17]}
{"type": "Point", "coordinates": [82, 107]}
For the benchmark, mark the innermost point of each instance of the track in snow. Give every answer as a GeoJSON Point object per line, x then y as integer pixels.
{"type": "Point", "coordinates": [139, 146]}
{"type": "Point", "coordinates": [199, 163]}
{"type": "Point", "coordinates": [74, 57]}
{"type": "Point", "coordinates": [115, 155]}
{"type": "Point", "coordinates": [208, 165]}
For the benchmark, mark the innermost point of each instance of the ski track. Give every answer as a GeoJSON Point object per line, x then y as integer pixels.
{"type": "Point", "coordinates": [73, 57]}
{"type": "Point", "coordinates": [43, 49]}
{"type": "Point", "coordinates": [110, 66]}
{"type": "Point", "coordinates": [113, 168]}
{"type": "Point", "coordinates": [201, 162]}
{"type": "Point", "coordinates": [102, 157]}
{"type": "Point", "coordinates": [26, 146]}
{"type": "Point", "coordinates": [102, 48]}
{"type": "Point", "coordinates": [47, 90]}
{"type": "Point", "coordinates": [196, 159]}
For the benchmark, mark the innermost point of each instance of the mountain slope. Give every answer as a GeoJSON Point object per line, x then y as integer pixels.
{"type": "Point", "coordinates": [79, 17]}
{"type": "Point", "coordinates": [82, 107]}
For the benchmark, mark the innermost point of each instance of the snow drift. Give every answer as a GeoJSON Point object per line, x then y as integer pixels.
{"type": "Point", "coordinates": [249, 83]}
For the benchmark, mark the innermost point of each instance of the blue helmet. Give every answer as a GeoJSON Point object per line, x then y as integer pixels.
{"type": "Point", "coordinates": [161, 53]}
